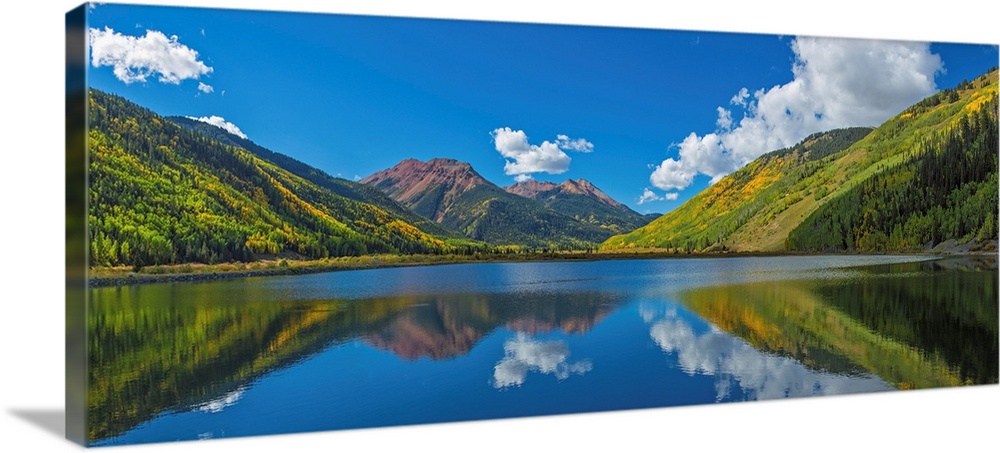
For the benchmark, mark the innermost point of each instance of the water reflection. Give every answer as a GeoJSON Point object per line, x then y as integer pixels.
{"type": "Point", "coordinates": [758, 375]}
{"type": "Point", "coordinates": [448, 325]}
{"type": "Point", "coordinates": [168, 360]}
{"type": "Point", "coordinates": [916, 325]}
{"type": "Point", "coordinates": [522, 355]}
{"type": "Point", "coordinates": [169, 348]}
{"type": "Point", "coordinates": [218, 404]}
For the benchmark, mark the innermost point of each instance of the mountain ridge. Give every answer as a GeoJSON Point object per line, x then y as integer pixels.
{"type": "Point", "coordinates": [452, 193]}
{"type": "Point", "coordinates": [533, 189]}
{"type": "Point", "coordinates": [757, 207]}
{"type": "Point", "coordinates": [411, 182]}
{"type": "Point", "coordinates": [583, 201]}
{"type": "Point", "coordinates": [164, 194]}
{"type": "Point", "coordinates": [339, 186]}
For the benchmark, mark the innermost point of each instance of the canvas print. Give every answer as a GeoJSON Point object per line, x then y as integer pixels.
{"type": "Point", "coordinates": [283, 222]}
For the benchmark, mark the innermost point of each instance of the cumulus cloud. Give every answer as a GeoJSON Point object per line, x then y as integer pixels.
{"type": "Point", "coordinates": [649, 195]}
{"type": "Point", "coordinates": [523, 354]}
{"type": "Point", "coordinates": [836, 83]}
{"type": "Point", "coordinates": [204, 88]}
{"type": "Point", "coordinates": [135, 58]}
{"type": "Point", "coordinates": [725, 120]}
{"type": "Point", "coordinates": [736, 363]}
{"type": "Point", "coordinates": [523, 158]}
{"type": "Point", "coordinates": [221, 122]}
{"type": "Point", "coordinates": [579, 144]}
{"type": "Point", "coordinates": [741, 97]}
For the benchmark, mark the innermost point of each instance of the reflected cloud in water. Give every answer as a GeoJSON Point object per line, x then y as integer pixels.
{"type": "Point", "coordinates": [522, 355]}
{"type": "Point", "coordinates": [759, 375]}
{"type": "Point", "coordinates": [222, 402]}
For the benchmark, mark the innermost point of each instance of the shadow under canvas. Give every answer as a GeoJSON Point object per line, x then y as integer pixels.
{"type": "Point", "coordinates": [51, 420]}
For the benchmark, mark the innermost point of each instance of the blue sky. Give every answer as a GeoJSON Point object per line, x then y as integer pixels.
{"type": "Point", "coordinates": [635, 111]}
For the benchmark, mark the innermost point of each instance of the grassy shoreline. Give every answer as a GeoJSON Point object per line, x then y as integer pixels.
{"type": "Point", "coordinates": [192, 272]}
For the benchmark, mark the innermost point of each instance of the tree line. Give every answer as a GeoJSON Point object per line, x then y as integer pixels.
{"type": "Point", "coordinates": [162, 194]}
{"type": "Point", "coordinates": [946, 190]}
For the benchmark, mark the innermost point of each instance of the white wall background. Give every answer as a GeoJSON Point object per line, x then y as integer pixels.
{"type": "Point", "coordinates": [31, 179]}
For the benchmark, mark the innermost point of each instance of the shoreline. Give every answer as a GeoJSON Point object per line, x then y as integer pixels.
{"type": "Point", "coordinates": [271, 268]}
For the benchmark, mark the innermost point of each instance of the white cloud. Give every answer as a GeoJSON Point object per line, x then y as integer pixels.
{"type": "Point", "coordinates": [134, 58]}
{"type": "Point", "coordinates": [579, 144]}
{"type": "Point", "coordinates": [204, 88]}
{"type": "Point", "coordinates": [522, 178]}
{"type": "Point", "coordinates": [649, 195]}
{"type": "Point", "coordinates": [741, 97]}
{"type": "Point", "coordinates": [725, 120]}
{"type": "Point", "coordinates": [672, 175]}
{"type": "Point", "coordinates": [523, 355]}
{"type": "Point", "coordinates": [523, 158]}
{"type": "Point", "coordinates": [836, 83]}
{"type": "Point", "coordinates": [221, 122]}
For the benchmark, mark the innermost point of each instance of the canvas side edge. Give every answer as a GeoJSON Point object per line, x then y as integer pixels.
{"type": "Point", "coordinates": [76, 225]}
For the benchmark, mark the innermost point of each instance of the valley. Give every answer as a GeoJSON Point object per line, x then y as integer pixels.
{"type": "Point", "coordinates": [174, 196]}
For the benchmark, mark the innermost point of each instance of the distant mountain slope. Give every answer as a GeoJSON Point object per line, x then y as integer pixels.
{"type": "Point", "coordinates": [759, 206]}
{"type": "Point", "coordinates": [944, 190]}
{"type": "Point", "coordinates": [583, 201]}
{"type": "Point", "coordinates": [455, 195]}
{"type": "Point", "coordinates": [738, 211]}
{"type": "Point", "coordinates": [428, 188]}
{"type": "Point", "coordinates": [349, 189]}
{"type": "Point", "coordinates": [160, 193]}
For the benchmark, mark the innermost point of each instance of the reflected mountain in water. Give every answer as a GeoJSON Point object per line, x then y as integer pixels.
{"type": "Point", "coordinates": [737, 364]}
{"type": "Point", "coordinates": [446, 326]}
{"type": "Point", "coordinates": [154, 352]}
{"type": "Point", "coordinates": [274, 355]}
{"type": "Point", "coordinates": [916, 325]}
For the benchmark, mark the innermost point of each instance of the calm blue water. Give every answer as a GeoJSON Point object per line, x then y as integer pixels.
{"type": "Point", "coordinates": [476, 341]}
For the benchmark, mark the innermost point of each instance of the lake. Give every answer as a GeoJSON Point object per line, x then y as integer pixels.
{"type": "Point", "coordinates": [268, 355]}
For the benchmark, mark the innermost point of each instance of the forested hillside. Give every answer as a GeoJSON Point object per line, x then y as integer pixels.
{"type": "Point", "coordinates": [739, 211]}
{"type": "Point", "coordinates": [348, 189]}
{"type": "Point", "coordinates": [946, 189]}
{"type": "Point", "coordinates": [926, 176]}
{"type": "Point", "coordinates": [161, 194]}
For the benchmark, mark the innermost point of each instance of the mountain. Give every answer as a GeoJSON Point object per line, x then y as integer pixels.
{"type": "Point", "coordinates": [348, 189]}
{"type": "Point", "coordinates": [925, 177]}
{"type": "Point", "coordinates": [739, 210]}
{"type": "Point", "coordinates": [161, 193]}
{"type": "Point", "coordinates": [453, 194]}
{"type": "Point", "coordinates": [583, 201]}
{"type": "Point", "coordinates": [942, 194]}
{"type": "Point", "coordinates": [428, 188]}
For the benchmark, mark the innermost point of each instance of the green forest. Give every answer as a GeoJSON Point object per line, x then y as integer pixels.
{"type": "Point", "coordinates": [163, 194]}
{"type": "Point", "coordinates": [925, 178]}
{"type": "Point", "coordinates": [166, 191]}
{"type": "Point", "coordinates": [488, 213]}
{"type": "Point", "coordinates": [947, 189]}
